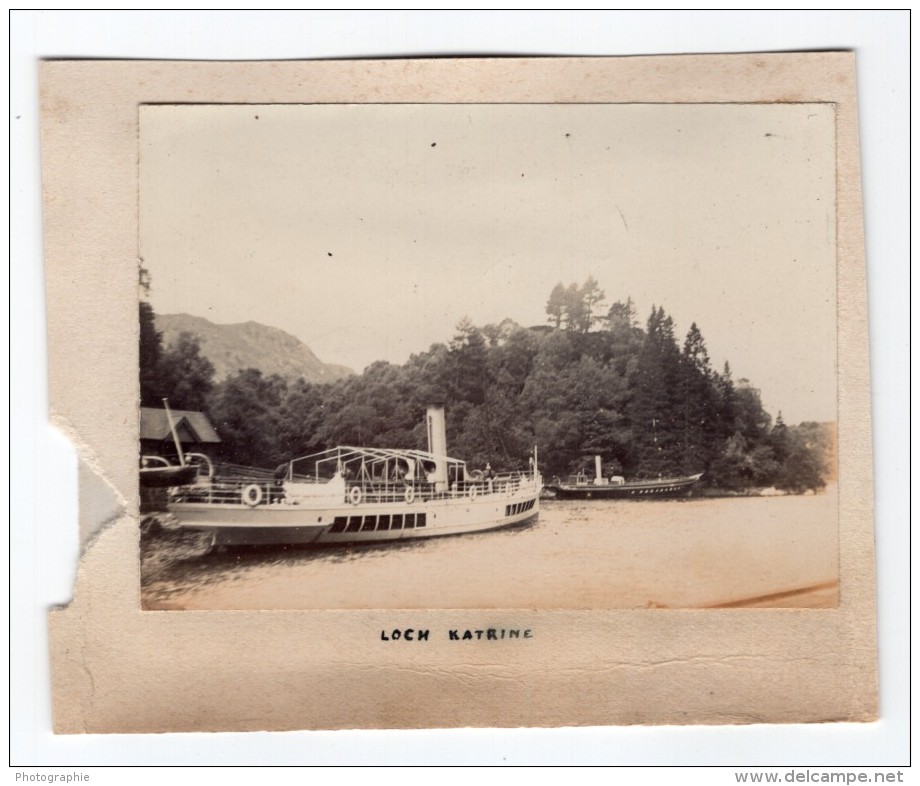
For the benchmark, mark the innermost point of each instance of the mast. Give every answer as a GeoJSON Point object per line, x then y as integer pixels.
{"type": "Point", "coordinates": [175, 436]}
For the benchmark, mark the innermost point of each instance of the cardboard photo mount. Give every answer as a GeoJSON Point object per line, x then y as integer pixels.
{"type": "Point", "coordinates": [116, 668]}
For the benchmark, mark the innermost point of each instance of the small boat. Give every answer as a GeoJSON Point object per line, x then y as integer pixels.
{"type": "Point", "coordinates": [157, 472]}
{"type": "Point", "coordinates": [581, 486]}
{"type": "Point", "coordinates": [357, 494]}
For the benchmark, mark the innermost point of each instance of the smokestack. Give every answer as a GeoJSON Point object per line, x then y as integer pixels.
{"type": "Point", "coordinates": [598, 475]}
{"type": "Point", "coordinates": [437, 444]}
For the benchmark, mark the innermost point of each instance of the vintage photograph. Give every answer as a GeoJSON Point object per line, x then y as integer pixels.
{"type": "Point", "coordinates": [461, 393]}
{"type": "Point", "coordinates": [480, 356]}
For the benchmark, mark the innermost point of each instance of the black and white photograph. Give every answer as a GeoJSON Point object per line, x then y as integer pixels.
{"type": "Point", "coordinates": [440, 388]}
{"type": "Point", "coordinates": [474, 356]}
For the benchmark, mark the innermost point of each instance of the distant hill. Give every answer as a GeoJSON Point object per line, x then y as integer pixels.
{"type": "Point", "coordinates": [250, 345]}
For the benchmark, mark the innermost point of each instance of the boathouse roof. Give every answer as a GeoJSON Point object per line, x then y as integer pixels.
{"type": "Point", "coordinates": [190, 426]}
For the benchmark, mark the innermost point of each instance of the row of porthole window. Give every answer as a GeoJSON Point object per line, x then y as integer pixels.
{"type": "Point", "coordinates": [383, 522]}
{"type": "Point", "coordinates": [660, 490]}
{"type": "Point", "coordinates": [520, 507]}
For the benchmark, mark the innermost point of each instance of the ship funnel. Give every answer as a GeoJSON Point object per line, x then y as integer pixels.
{"type": "Point", "coordinates": [598, 474]}
{"type": "Point", "coordinates": [437, 444]}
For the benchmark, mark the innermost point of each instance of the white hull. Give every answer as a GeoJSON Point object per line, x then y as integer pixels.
{"type": "Point", "coordinates": [289, 523]}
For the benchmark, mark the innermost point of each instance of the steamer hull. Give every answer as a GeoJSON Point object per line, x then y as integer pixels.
{"type": "Point", "coordinates": [671, 487]}
{"type": "Point", "coordinates": [369, 521]}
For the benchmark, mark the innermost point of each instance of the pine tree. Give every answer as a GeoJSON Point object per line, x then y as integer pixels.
{"type": "Point", "coordinates": [150, 352]}
{"type": "Point", "coordinates": [621, 317]}
{"type": "Point", "coordinates": [779, 439]}
{"type": "Point", "coordinates": [697, 403]}
{"type": "Point", "coordinates": [592, 297]}
{"type": "Point", "coordinates": [555, 306]}
{"type": "Point", "coordinates": [150, 347]}
{"type": "Point", "coordinates": [725, 402]}
{"type": "Point", "coordinates": [575, 311]}
{"type": "Point", "coordinates": [468, 371]}
{"type": "Point", "coordinates": [654, 414]}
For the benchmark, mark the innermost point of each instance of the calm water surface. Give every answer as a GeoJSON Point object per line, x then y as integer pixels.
{"type": "Point", "coordinates": [613, 554]}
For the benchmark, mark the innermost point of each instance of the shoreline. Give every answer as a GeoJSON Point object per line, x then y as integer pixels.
{"type": "Point", "coordinates": [716, 493]}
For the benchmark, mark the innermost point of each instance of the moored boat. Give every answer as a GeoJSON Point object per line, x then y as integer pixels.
{"type": "Point", "coordinates": [357, 494]}
{"type": "Point", "coordinates": [157, 472]}
{"type": "Point", "coordinates": [581, 486]}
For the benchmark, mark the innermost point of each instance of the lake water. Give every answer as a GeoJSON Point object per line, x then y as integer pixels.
{"type": "Point", "coordinates": [689, 553]}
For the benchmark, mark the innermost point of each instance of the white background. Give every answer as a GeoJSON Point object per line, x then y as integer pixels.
{"type": "Point", "coordinates": [43, 467]}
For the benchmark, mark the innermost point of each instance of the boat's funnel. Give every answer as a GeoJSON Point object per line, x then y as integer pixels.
{"type": "Point", "coordinates": [598, 473]}
{"type": "Point", "coordinates": [437, 444]}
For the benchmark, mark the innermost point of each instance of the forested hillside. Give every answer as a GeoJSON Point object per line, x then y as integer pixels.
{"type": "Point", "coordinates": [591, 381]}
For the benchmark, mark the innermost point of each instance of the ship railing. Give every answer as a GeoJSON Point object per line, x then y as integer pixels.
{"type": "Point", "coordinates": [584, 479]}
{"type": "Point", "coordinates": [222, 489]}
{"type": "Point", "coordinates": [372, 463]}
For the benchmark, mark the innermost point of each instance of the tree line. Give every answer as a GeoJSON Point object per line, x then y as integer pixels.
{"type": "Point", "coordinates": [590, 381]}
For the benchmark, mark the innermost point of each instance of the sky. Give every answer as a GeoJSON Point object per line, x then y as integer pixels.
{"type": "Point", "coordinates": [370, 231]}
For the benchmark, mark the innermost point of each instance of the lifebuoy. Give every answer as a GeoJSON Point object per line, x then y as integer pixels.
{"type": "Point", "coordinates": [252, 495]}
{"type": "Point", "coordinates": [355, 495]}
{"type": "Point", "coordinates": [473, 491]}
{"type": "Point", "coordinates": [409, 495]}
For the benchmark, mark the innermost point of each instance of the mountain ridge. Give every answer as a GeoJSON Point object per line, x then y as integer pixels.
{"type": "Point", "coordinates": [251, 344]}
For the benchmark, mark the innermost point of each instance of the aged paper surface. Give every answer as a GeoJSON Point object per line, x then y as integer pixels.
{"type": "Point", "coordinates": [329, 667]}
